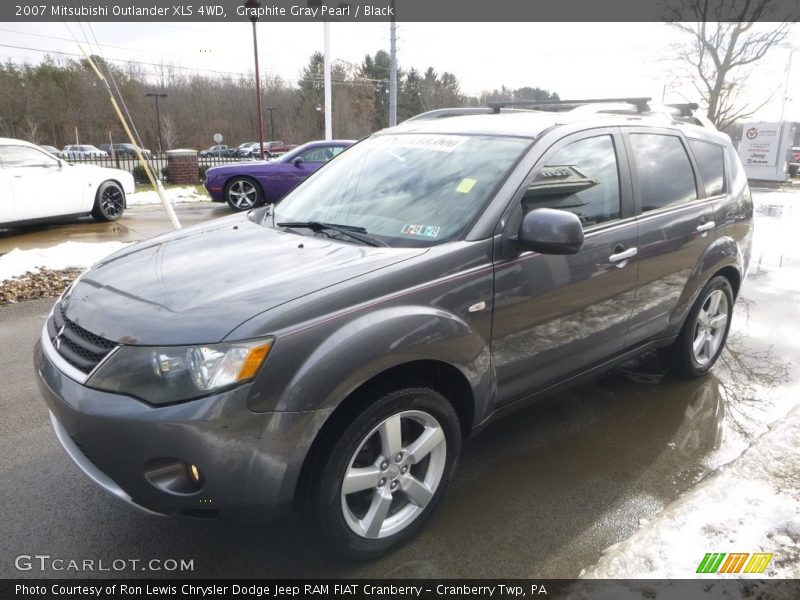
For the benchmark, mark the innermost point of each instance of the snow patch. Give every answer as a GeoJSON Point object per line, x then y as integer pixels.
{"type": "Point", "coordinates": [67, 255]}
{"type": "Point", "coordinates": [176, 195]}
{"type": "Point", "coordinates": [751, 505]}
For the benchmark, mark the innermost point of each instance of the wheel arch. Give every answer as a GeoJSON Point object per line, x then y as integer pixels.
{"type": "Point", "coordinates": [436, 374]}
{"type": "Point", "coordinates": [230, 179]}
{"type": "Point", "coordinates": [121, 187]}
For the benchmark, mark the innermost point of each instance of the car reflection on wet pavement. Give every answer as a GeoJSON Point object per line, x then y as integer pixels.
{"type": "Point", "coordinates": [539, 494]}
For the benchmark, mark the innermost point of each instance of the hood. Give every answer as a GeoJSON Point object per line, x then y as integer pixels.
{"type": "Point", "coordinates": [198, 284]}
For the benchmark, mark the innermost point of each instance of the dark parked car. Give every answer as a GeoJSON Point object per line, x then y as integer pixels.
{"type": "Point", "coordinates": [247, 185]}
{"type": "Point", "coordinates": [332, 351]}
{"type": "Point", "coordinates": [220, 151]}
{"type": "Point", "coordinates": [124, 150]}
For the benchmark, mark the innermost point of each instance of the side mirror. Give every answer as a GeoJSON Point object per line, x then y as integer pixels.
{"type": "Point", "coordinates": [550, 231]}
{"type": "Point", "coordinates": [298, 161]}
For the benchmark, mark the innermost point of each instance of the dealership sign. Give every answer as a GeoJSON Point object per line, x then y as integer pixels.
{"type": "Point", "coordinates": [760, 143]}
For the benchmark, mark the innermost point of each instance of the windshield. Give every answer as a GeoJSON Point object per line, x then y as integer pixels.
{"type": "Point", "coordinates": [406, 189]}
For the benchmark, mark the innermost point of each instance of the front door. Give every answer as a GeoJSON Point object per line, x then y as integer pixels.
{"type": "Point", "coordinates": [554, 315]}
{"type": "Point", "coordinates": [40, 186]}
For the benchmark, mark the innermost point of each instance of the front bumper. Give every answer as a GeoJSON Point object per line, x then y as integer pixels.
{"type": "Point", "coordinates": [214, 190]}
{"type": "Point", "coordinates": [246, 458]}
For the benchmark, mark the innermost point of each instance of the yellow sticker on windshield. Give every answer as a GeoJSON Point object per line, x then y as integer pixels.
{"type": "Point", "coordinates": [466, 185]}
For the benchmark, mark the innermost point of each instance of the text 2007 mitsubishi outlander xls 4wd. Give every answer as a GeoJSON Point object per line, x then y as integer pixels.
{"type": "Point", "coordinates": [332, 351]}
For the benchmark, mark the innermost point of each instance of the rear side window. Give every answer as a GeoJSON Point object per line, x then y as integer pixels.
{"type": "Point", "coordinates": [582, 178]}
{"type": "Point", "coordinates": [711, 162]}
{"type": "Point", "coordinates": [665, 174]}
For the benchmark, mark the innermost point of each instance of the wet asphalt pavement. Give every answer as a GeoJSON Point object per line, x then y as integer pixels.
{"type": "Point", "coordinates": [539, 494]}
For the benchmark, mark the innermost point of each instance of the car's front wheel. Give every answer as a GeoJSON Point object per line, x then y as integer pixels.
{"type": "Point", "coordinates": [243, 193]}
{"type": "Point", "coordinates": [109, 202]}
{"type": "Point", "coordinates": [383, 475]}
{"type": "Point", "coordinates": [705, 331]}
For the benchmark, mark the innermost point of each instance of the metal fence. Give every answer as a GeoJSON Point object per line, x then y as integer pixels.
{"type": "Point", "coordinates": [158, 164]}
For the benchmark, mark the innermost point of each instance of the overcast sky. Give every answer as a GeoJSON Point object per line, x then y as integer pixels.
{"type": "Point", "coordinates": [577, 60]}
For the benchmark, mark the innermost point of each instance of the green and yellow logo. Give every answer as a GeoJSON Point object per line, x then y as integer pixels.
{"type": "Point", "coordinates": [720, 562]}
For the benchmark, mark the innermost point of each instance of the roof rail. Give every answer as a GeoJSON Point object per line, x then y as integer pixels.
{"type": "Point", "coordinates": [684, 112]}
{"type": "Point", "coordinates": [441, 113]}
{"type": "Point", "coordinates": [561, 105]}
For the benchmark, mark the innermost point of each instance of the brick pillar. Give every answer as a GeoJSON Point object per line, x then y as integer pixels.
{"type": "Point", "coordinates": [183, 167]}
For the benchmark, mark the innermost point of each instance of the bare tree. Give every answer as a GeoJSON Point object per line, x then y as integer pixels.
{"type": "Point", "coordinates": [725, 43]}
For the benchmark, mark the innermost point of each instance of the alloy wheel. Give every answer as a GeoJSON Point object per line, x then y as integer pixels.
{"type": "Point", "coordinates": [710, 327]}
{"type": "Point", "coordinates": [243, 194]}
{"type": "Point", "coordinates": [112, 202]}
{"type": "Point", "coordinates": [393, 474]}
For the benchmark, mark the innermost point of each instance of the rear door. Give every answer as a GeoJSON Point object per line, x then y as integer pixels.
{"type": "Point", "coordinates": [555, 315]}
{"type": "Point", "coordinates": [676, 226]}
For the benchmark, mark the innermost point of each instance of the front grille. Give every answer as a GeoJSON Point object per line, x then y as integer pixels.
{"type": "Point", "coordinates": [79, 347]}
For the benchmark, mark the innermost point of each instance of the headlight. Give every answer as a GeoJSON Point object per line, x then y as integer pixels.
{"type": "Point", "coordinates": [176, 373]}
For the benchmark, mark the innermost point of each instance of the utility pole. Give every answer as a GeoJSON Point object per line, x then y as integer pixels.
{"type": "Point", "coordinates": [786, 85]}
{"type": "Point", "coordinates": [328, 108]}
{"type": "Point", "coordinates": [253, 5]}
{"type": "Point", "coordinates": [157, 95]}
{"type": "Point", "coordinates": [271, 123]}
{"type": "Point", "coordinates": [392, 68]}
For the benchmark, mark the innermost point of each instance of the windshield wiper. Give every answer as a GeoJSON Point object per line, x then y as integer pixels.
{"type": "Point", "coordinates": [351, 231]}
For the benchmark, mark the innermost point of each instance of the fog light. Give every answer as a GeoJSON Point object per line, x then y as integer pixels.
{"type": "Point", "coordinates": [174, 476]}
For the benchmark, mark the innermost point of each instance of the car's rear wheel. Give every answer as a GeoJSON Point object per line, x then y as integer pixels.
{"type": "Point", "coordinates": [705, 331]}
{"type": "Point", "coordinates": [109, 202]}
{"type": "Point", "coordinates": [243, 193]}
{"type": "Point", "coordinates": [383, 475]}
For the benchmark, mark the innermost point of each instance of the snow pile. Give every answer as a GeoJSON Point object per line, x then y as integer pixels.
{"type": "Point", "coordinates": [751, 505]}
{"type": "Point", "coordinates": [175, 195]}
{"type": "Point", "coordinates": [68, 255]}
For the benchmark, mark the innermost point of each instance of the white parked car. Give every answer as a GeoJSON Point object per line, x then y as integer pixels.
{"type": "Point", "coordinates": [83, 151]}
{"type": "Point", "coordinates": [37, 186]}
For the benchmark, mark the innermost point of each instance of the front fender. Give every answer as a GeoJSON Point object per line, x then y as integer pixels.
{"type": "Point", "coordinates": [369, 344]}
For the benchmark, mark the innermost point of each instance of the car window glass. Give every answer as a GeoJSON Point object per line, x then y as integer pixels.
{"type": "Point", "coordinates": [318, 155]}
{"type": "Point", "coordinates": [22, 156]}
{"type": "Point", "coordinates": [665, 173]}
{"type": "Point", "coordinates": [406, 189]}
{"type": "Point", "coordinates": [582, 178]}
{"type": "Point", "coordinates": [711, 162]}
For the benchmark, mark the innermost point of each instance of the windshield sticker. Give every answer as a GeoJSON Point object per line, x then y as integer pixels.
{"type": "Point", "coordinates": [437, 143]}
{"type": "Point", "coordinates": [430, 231]}
{"type": "Point", "coordinates": [466, 185]}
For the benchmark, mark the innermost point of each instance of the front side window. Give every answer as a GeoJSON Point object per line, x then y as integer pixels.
{"type": "Point", "coordinates": [711, 163]}
{"type": "Point", "coordinates": [320, 155]}
{"type": "Point", "coordinates": [582, 178]}
{"type": "Point", "coordinates": [665, 174]}
{"type": "Point", "coordinates": [406, 189]}
{"type": "Point", "coordinates": [22, 156]}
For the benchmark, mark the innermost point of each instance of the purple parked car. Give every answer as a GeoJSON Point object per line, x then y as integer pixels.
{"type": "Point", "coordinates": [246, 185]}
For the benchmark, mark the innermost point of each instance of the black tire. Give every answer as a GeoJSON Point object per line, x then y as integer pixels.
{"type": "Point", "coordinates": [243, 193]}
{"type": "Point", "coordinates": [109, 202]}
{"type": "Point", "coordinates": [682, 356]}
{"type": "Point", "coordinates": [417, 411]}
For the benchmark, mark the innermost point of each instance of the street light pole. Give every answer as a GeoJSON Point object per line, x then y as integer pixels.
{"type": "Point", "coordinates": [158, 95]}
{"type": "Point", "coordinates": [253, 5]}
{"type": "Point", "coordinates": [271, 123]}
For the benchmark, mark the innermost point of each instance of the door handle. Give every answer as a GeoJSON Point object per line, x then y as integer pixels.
{"type": "Point", "coordinates": [706, 227]}
{"type": "Point", "coordinates": [622, 256]}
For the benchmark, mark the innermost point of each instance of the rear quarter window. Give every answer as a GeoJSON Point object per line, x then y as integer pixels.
{"type": "Point", "coordinates": [711, 163]}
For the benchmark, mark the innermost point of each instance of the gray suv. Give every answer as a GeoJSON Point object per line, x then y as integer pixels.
{"type": "Point", "coordinates": [332, 351]}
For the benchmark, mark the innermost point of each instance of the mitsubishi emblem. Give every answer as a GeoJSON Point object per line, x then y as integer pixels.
{"type": "Point", "coordinates": [58, 337]}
